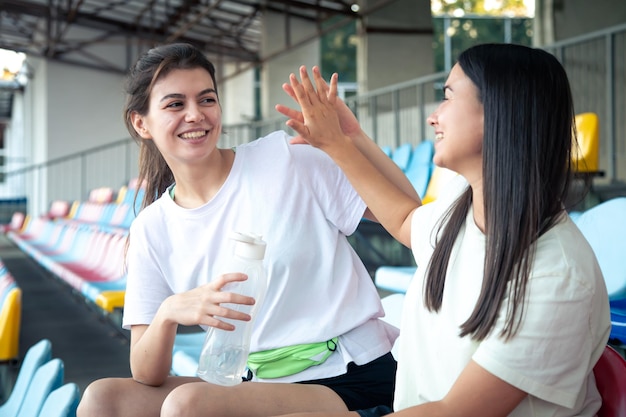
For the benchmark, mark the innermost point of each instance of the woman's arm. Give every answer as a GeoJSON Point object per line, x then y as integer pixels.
{"type": "Point", "coordinates": [151, 345]}
{"type": "Point", "coordinates": [351, 127]}
{"type": "Point", "coordinates": [324, 123]}
{"type": "Point", "coordinates": [475, 393]}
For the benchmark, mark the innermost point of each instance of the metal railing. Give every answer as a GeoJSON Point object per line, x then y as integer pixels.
{"type": "Point", "coordinates": [595, 63]}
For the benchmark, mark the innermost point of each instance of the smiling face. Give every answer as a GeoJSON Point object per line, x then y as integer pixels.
{"type": "Point", "coordinates": [184, 116]}
{"type": "Point", "coordinates": [458, 123]}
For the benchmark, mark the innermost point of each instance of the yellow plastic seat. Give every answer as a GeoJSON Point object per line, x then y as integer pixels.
{"type": "Point", "coordinates": [586, 156]}
{"type": "Point", "coordinates": [110, 300]}
{"type": "Point", "coordinates": [438, 179]}
{"type": "Point", "coordinates": [10, 321]}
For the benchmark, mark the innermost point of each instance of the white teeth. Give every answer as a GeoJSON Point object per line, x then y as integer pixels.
{"type": "Point", "coordinates": [193, 135]}
{"type": "Point", "coordinates": [439, 136]}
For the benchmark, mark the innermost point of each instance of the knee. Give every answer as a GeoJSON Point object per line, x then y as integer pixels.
{"type": "Point", "coordinates": [98, 399]}
{"type": "Point", "coordinates": [188, 400]}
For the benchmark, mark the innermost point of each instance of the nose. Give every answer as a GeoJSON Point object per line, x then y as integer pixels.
{"type": "Point", "coordinates": [432, 119]}
{"type": "Point", "coordinates": [194, 114]}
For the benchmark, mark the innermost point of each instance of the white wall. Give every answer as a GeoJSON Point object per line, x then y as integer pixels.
{"type": "Point", "coordinates": [84, 109]}
{"type": "Point", "coordinates": [276, 71]}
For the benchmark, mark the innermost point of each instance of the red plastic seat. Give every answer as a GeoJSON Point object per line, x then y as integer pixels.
{"type": "Point", "coordinates": [610, 373]}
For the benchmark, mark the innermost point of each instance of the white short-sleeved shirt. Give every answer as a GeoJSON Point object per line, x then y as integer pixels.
{"type": "Point", "coordinates": [563, 333]}
{"type": "Point", "coordinates": [300, 202]}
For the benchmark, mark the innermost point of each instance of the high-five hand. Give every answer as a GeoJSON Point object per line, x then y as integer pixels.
{"type": "Point", "coordinates": [324, 118]}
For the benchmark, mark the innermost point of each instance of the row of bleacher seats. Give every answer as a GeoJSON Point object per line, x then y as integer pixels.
{"type": "Point", "coordinates": [40, 389]}
{"type": "Point", "coordinates": [83, 243]}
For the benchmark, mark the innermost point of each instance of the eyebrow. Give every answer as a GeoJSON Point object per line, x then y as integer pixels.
{"type": "Point", "coordinates": [179, 96]}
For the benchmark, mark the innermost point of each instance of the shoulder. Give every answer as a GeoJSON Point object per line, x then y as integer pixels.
{"type": "Point", "coordinates": [564, 252]}
{"type": "Point", "coordinates": [149, 217]}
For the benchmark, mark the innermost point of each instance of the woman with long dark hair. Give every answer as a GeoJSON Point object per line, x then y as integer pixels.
{"type": "Point", "coordinates": [508, 312]}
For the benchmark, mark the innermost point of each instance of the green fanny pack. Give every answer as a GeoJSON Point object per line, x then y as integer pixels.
{"type": "Point", "coordinates": [279, 362]}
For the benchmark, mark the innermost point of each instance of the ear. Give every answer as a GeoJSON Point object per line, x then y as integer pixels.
{"type": "Point", "coordinates": [140, 126]}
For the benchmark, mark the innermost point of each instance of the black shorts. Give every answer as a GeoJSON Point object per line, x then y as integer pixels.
{"type": "Point", "coordinates": [364, 386]}
{"type": "Point", "coordinates": [379, 411]}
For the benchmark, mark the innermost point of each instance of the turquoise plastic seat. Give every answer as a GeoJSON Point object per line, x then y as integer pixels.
{"type": "Point", "coordinates": [39, 354]}
{"type": "Point", "coordinates": [393, 304]}
{"type": "Point", "coordinates": [48, 377]}
{"type": "Point", "coordinates": [186, 353]}
{"type": "Point", "coordinates": [402, 155]}
{"type": "Point", "coordinates": [394, 278]}
{"type": "Point", "coordinates": [421, 166]}
{"type": "Point", "coordinates": [62, 402]}
{"type": "Point", "coordinates": [604, 227]}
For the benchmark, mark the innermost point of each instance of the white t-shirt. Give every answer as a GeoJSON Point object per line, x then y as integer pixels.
{"type": "Point", "coordinates": [300, 202]}
{"type": "Point", "coordinates": [563, 333]}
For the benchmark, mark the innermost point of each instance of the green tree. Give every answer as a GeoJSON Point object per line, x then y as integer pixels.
{"type": "Point", "coordinates": [481, 7]}
{"type": "Point", "coordinates": [338, 50]}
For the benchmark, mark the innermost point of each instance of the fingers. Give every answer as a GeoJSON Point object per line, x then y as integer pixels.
{"type": "Point", "coordinates": [321, 84]}
{"type": "Point", "coordinates": [289, 112]}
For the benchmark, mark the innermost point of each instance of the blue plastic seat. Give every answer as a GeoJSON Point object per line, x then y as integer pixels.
{"type": "Point", "coordinates": [393, 305]}
{"type": "Point", "coordinates": [62, 402]}
{"type": "Point", "coordinates": [394, 278]}
{"type": "Point", "coordinates": [186, 353]}
{"type": "Point", "coordinates": [39, 354]}
{"type": "Point", "coordinates": [402, 155]}
{"type": "Point", "coordinates": [48, 377]}
{"type": "Point", "coordinates": [604, 227]}
{"type": "Point", "coordinates": [421, 166]}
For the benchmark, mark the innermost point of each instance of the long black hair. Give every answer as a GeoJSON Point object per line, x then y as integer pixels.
{"type": "Point", "coordinates": [527, 147]}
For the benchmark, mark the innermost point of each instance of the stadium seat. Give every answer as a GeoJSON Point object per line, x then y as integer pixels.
{"type": "Point", "coordinates": [610, 373]}
{"type": "Point", "coordinates": [62, 402]}
{"type": "Point", "coordinates": [58, 209]}
{"type": "Point", "coordinates": [394, 278]}
{"type": "Point", "coordinates": [36, 356]}
{"type": "Point", "coordinates": [10, 315]}
{"type": "Point", "coordinates": [586, 157]}
{"type": "Point", "coordinates": [438, 179]}
{"type": "Point", "coordinates": [402, 155]}
{"type": "Point", "coordinates": [421, 166]}
{"type": "Point", "coordinates": [17, 221]}
{"type": "Point", "coordinates": [618, 323]}
{"type": "Point", "coordinates": [604, 227]}
{"type": "Point", "coordinates": [47, 378]}
{"type": "Point", "coordinates": [186, 352]}
{"type": "Point", "coordinates": [392, 304]}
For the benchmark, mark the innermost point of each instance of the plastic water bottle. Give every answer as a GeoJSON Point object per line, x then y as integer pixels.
{"type": "Point", "coordinates": [225, 353]}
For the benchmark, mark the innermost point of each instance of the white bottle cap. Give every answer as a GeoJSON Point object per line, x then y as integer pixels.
{"type": "Point", "coordinates": [248, 245]}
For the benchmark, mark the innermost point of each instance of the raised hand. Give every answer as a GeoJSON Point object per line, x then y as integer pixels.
{"type": "Point", "coordinates": [318, 123]}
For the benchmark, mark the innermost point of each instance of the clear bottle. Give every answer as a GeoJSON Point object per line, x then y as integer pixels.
{"type": "Point", "coordinates": [225, 353]}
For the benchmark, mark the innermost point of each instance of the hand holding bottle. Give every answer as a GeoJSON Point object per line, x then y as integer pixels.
{"type": "Point", "coordinates": [209, 304]}
{"type": "Point", "coordinates": [225, 354]}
